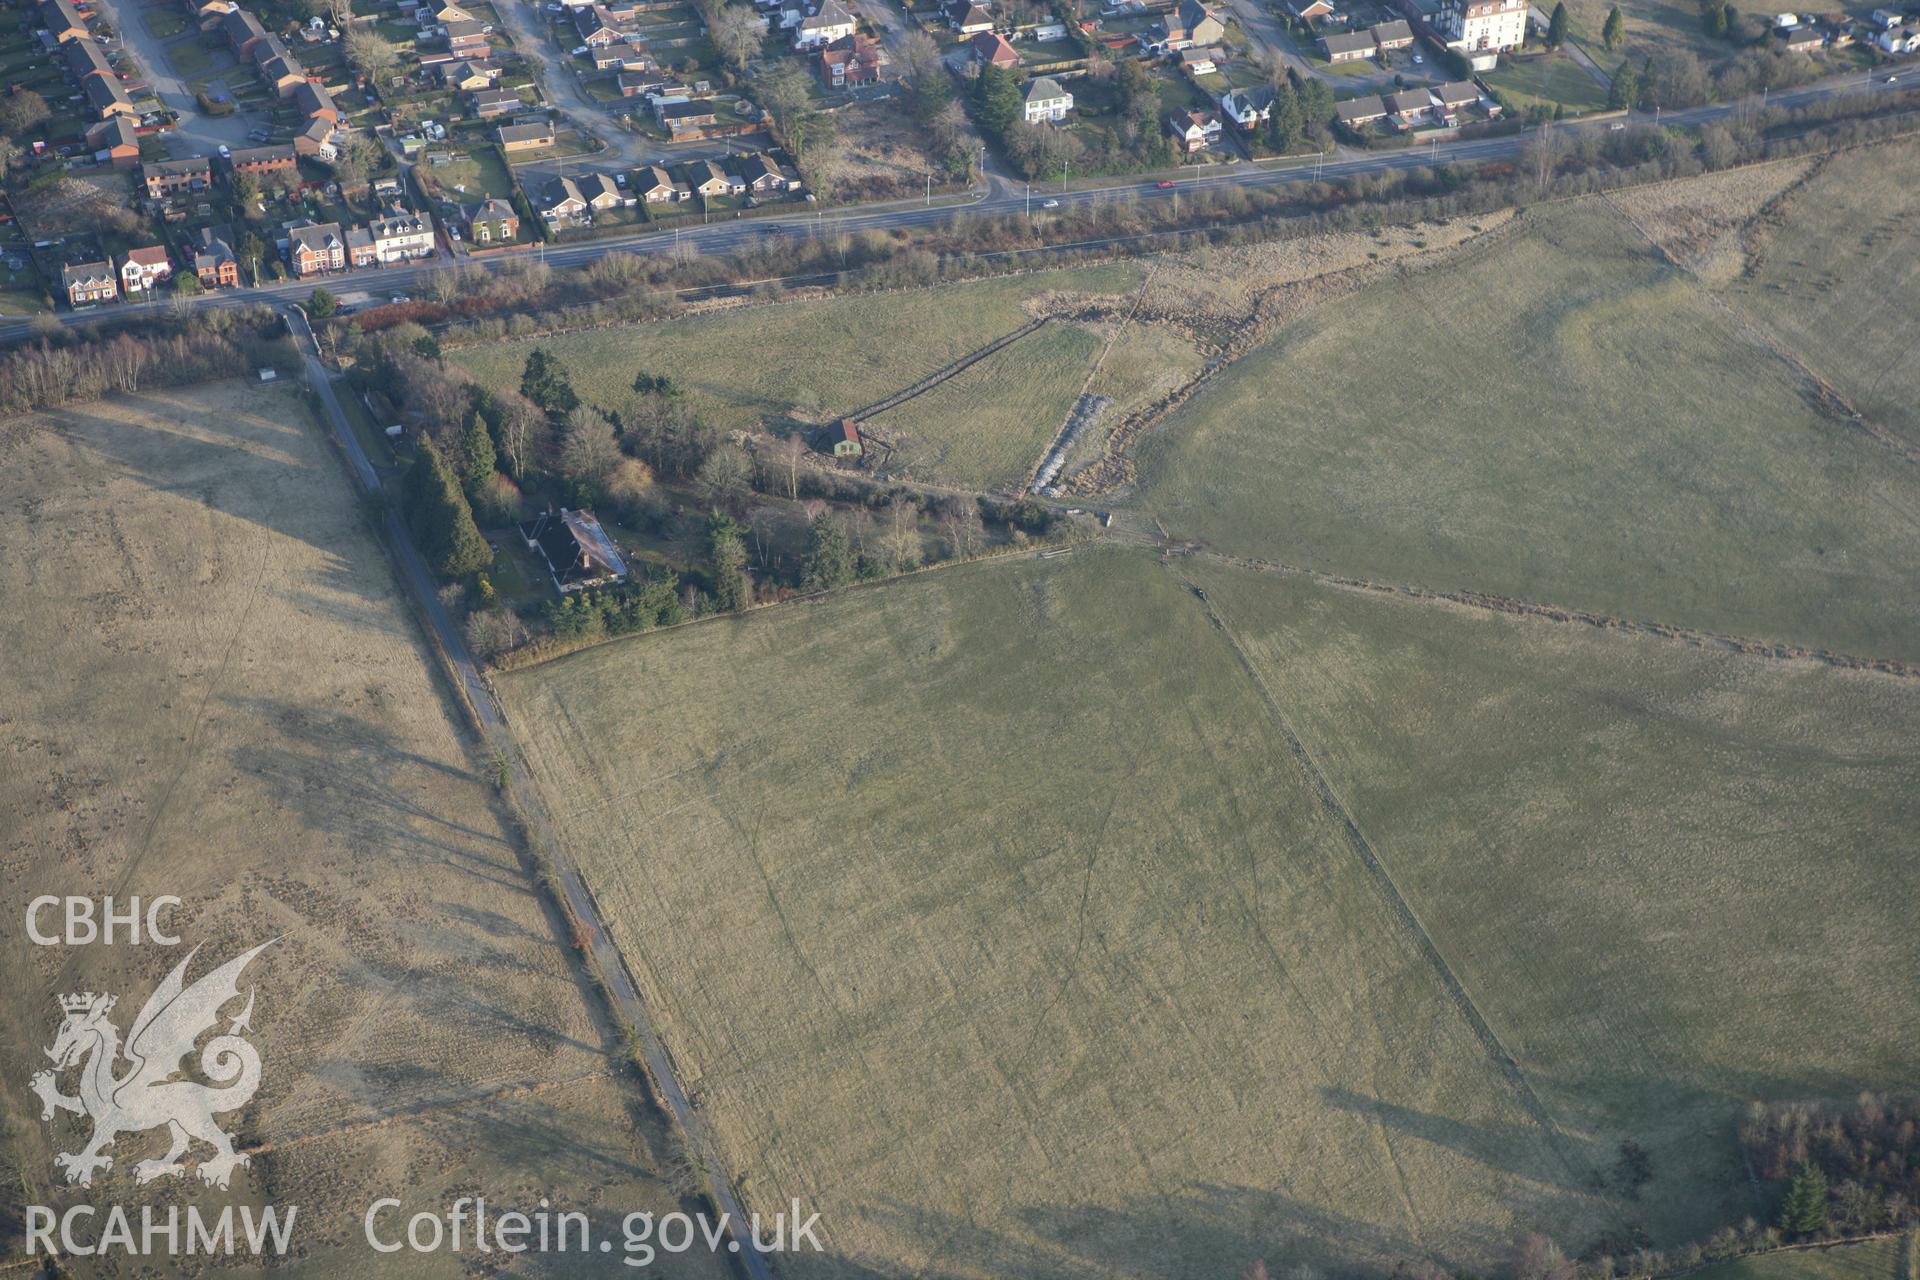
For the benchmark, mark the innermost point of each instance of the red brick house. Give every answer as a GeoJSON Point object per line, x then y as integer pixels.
{"type": "Point", "coordinates": [849, 61]}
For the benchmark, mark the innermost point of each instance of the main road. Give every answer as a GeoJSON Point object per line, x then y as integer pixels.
{"type": "Point", "coordinates": [724, 236]}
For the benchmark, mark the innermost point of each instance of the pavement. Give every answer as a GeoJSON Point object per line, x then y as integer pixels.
{"type": "Point", "coordinates": [492, 723]}
{"type": "Point", "coordinates": [1003, 198]}
{"type": "Point", "coordinates": [192, 133]}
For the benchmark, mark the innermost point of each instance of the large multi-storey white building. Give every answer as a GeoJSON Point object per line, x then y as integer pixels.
{"type": "Point", "coordinates": [1477, 26]}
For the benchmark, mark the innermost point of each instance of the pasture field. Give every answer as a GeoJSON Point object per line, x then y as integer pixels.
{"type": "Point", "coordinates": [1554, 413]}
{"type": "Point", "coordinates": [815, 359]}
{"type": "Point", "coordinates": [214, 690]}
{"type": "Point", "coordinates": [989, 424]}
{"type": "Point", "coordinates": [1675, 880]}
{"type": "Point", "coordinates": [989, 914]}
{"type": "Point", "coordinates": [1830, 273]}
{"type": "Point", "coordinates": [1652, 25]}
{"type": "Point", "coordinates": [1869, 1260]}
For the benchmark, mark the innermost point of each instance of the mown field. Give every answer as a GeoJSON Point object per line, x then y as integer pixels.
{"type": "Point", "coordinates": [1872, 1260]}
{"type": "Point", "coordinates": [990, 915]}
{"type": "Point", "coordinates": [1552, 413]}
{"type": "Point", "coordinates": [214, 690]}
{"type": "Point", "coordinates": [1674, 880]}
{"type": "Point", "coordinates": [815, 359]}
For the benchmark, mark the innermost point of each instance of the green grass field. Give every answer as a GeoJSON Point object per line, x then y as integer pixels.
{"type": "Point", "coordinates": [1872, 1260]}
{"type": "Point", "coordinates": [1674, 880]}
{"type": "Point", "coordinates": [990, 424]}
{"type": "Point", "coordinates": [1554, 414]}
{"type": "Point", "coordinates": [819, 358]}
{"type": "Point", "coordinates": [1552, 78]}
{"type": "Point", "coordinates": [1835, 278]}
{"type": "Point", "coordinates": [989, 914]}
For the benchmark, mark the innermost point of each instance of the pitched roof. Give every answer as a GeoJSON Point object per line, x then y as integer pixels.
{"type": "Point", "coordinates": [61, 15]}
{"type": "Point", "coordinates": [653, 178]}
{"type": "Point", "coordinates": [595, 185]}
{"type": "Point", "coordinates": [105, 91]}
{"type": "Point", "coordinates": [758, 165]}
{"type": "Point", "coordinates": [242, 27]}
{"type": "Point", "coordinates": [525, 132]}
{"type": "Point", "coordinates": [87, 273]}
{"type": "Point", "coordinates": [1457, 92]}
{"type": "Point", "coordinates": [561, 190]}
{"type": "Point", "coordinates": [279, 153]}
{"type": "Point", "coordinates": [114, 131]}
{"type": "Point", "coordinates": [1367, 107]}
{"type": "Point", "coordinates": [214, 247]}
{"type": "Point", "coordinates": [991, 46]}
{"type": "Point", "coordinates": [152, 255]}
{"type": "Point", "coordinates": [1347, 41]}
{"type": "Point", "coordinates": [317, 237]}
{"type": "Point", "coordinates": [1045, 89]}
{"type": "Point", "coordinates": [313, 99]}
{"type": "Point", "coordinates": [1408, 101]}
{"type": "Point", "coordinates": [1394, 30]}
{"type": "Point", "coordinates": [831, 14]}
{"type": "Point", "coordinates": [84, 58]}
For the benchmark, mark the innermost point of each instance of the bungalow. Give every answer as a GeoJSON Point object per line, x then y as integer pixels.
{"type": "Point", "coordinates": [761, 174]}
{"type": "Point", "coordinates": [213, 258]}
{"type": "Point", "coordinates": [990, 48]}
{"type": "Point", "coordinates": [596, 27]}
{"type": "Point", "coordinates": [1803, 39]}
{"type": "Point", "coordinates": [851, 60]}
{"type": "Point", "coordinates": [655, 187]}
{"type": "Point", "coordinates": [467, 40]}
{"type": "Point", "coordinates": [1392, 35]}
{"type": "Point", "coordinates": [705, 178]}
{"type": "Point", "coordinates": [400, 235]}
{"type": "Point", "coordinates": [114, 138]}
{"type": "Point", "coordinates": [107, 98]}
{"type": "Point", "coordinates": [466, 77]}
{"type": "Point", "coordinates": [1248, 108]}
{"type": "Point", "coordinates": [1355, 112]}
{"type": "Point", "coordinates": [1455, 96]}
{"type": "Point", "coordinates": [561, 202]}
{"type": "Point", "coordinates": [315, 103]}
{"type": "Point", "coordinates": [683, 120]}
{"type": "Point", "coordinates": [831, 22]}
{"type": "Point", "coordinates": [283, 74]}
{"type": "Point", "coordinates": [1347, 46]}
{"type": "Point", "coordinates": [1409, 105]}
{"type": "Point", "coordinates": [88, 282]}
{"type": "Point", "coordinates": [492, 222]}
{"type": "Point", "coordinates": [1046, 100]}
{"type": "Point", "coordinates": [84, 59]}
{"type": "Point", "coordinates": [493, 102]}
{"type": "Point", "coordinates": [601, 192]}
{"type": "Point", "coordinates": [168, 177]}
{"type": "Point", "coordinates": [316, 248]}
{"type": "Point", "coordinates": [634, 83]}
{"type": "Point", "coordinates": [63, 21]}
{"type": "Point", "coordinates": [1201, 62]}
{"type": "Point", "coordinates": [577, 551]}
{"type": "Point", "coordinates": [1194, 131]}
{"type": "Point", "coordinates": [318, 140]}
{"type": "Point", "coordinates": [144, 268]}
{"type": "Point", "coordinates": [243, 31]}
{"type": "Point", "coordinates": [265, 162]}
{"type": "Point", "coordinates": [968, 18]}
{"type": "Point", "coordinates": [526, 137]}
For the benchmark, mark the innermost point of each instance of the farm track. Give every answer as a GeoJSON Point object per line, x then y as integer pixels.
{"type": "Point", "coordinates": [1390, 892]}
{"type": "Point", "coordinates": [939, 376]}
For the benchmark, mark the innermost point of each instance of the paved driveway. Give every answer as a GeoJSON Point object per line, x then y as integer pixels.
{"type": "Point", "coordinates": [193, 133]}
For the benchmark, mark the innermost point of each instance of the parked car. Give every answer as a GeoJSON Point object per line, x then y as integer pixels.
{"type": "Point", "coordinates": [258, 135]}
{"type": "Point", "coordinates": [225, 153]}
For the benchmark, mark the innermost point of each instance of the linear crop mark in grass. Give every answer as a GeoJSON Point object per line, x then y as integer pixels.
{"type": "Point", "coordinates": [1383, 881]}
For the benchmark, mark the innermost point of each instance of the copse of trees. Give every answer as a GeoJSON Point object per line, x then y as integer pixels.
{"type": "Point", "coordinates": [439, 517]}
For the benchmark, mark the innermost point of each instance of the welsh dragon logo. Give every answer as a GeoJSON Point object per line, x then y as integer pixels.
{"type": "Point", "coordinates": [148, 1095]}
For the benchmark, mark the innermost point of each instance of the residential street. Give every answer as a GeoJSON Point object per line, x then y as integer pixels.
{"type": "Point", "coordinates": [193, 134]}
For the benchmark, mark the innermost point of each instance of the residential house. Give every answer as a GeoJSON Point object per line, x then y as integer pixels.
{"type": "Point", "coordinates": [699, 118]}
{"type": "Point", "coordinates": [320, 140]}
{"type": "Point", "coordinates": [1391, 35]}
{"type": "Point", "coordinates": [1248, 108]}
{"type": "Point", "coordinates": [829, 23]}
{"type": "Point", "coordinates": [561, 203]}
{"type": "Point", "coordinates": [526, 137]}
{"type": "Point", "coordinates": [851, 60]}
{"type": "Point", "coordinates": [86, 283]}
{"type": "Point", "coordinates": [316, 248]}
{"type": "Point", "coordinates": [400, 235]}
{"type": "Point", "coordinates": [655, 187]}
{"type": "Point", "coordinates": [615, 57]}
{"type": "Point", "coordinates": [491, 222]}
{"type": "Point", "coordinates": [360, 250]}
{"type": "Point", "coordinates": [142, 269]}
{"type": "Point", "coordinates": [1194, 131]}
{"type": "Point", "coordinates": [445, 13]}
{"type": "Point", "coordinates": [705, 178]}
{"type": "Point", "coordinates": [115, 139]}
{"type": "Point", "coordinates": [214, 260]}
{"type": "Point", "coordinates": [493, 102]}
{"type": "Point", "coordinates": [1190, 24]}
{"type": "Point", "coordinates": [315, 103]}
{"type": "Point", "coordinates": [467, 40]}
{"type": "Point", "coordinates": [1046, 99]}
{"type": "Point", "coordinates": [283, 74]}
{"type": "Point", "coordinates": [601, 192]}
{"type": "Point", "coordinates": [967, 17]}
{"type": "Point", "coordinates": [1483, 26]}
{"type": "Point", "coordinates": [265, 163]}
{"type": "Point", "coordinates": [169, 177]}
{"type": "Point", "coordinates": [1347, 46]}
{"type": "Point", "coordinates": [209, 14]}
{"type": "Point", "coordinates": [634, 83]}
{"type": "Point", "coordinates": [243, 31]}
{"type": "Point", "coordinates": [107, 98]}
{"type": "Point", "coordinates": [596, 27]}
{"type": "Point", "coordinates": [63, 21]}
{"type": "Point", "coordinates": [467, 77]}
{"type": "Point", "coordinates": [1409, 106]}
{"type": "Point", "coordinates": [1201, 62]}
{"type": "Point", "coordinates": [761, 174]}
{"type": "Point", "coordinates": [1455, 96]}
{"type": "Point", "coordinates": [84, 58]}
{"type": "Point", "coordinates": [1802, 39]}
{"type": "Point", "coordinates": [846, 439]}
{"type": "Point", "coordinates": [577, 551]}
{"type": "Point", "coordinates": [1311, 11]}
{"type": "Point", "coordinates": [990, 48]}
{"type": "Point", "coordinates": [1356, 112]}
